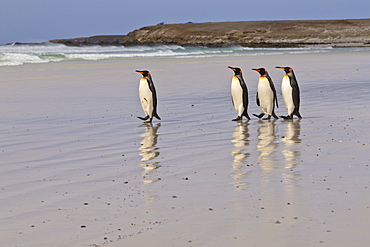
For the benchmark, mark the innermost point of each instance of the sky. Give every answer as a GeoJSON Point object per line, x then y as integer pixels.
{"type": "Point", "coordinates": [43, 20]}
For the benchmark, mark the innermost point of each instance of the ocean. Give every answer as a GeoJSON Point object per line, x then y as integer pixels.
{"type": "Point", "coordinates": [15, 55]}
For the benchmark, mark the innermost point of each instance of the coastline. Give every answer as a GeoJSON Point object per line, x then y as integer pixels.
{"type": "Point", "coordinates": [261, 34]}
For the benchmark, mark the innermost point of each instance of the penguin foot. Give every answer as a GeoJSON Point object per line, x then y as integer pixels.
{"type": "Point", "coordinates": [287, 117]}
{"type": "Point", "coordinates": [237, 119]}
{"type": "Point", "coordinates": [143, 118]}
{"type": "Point", "coordinates": [267, 118]}
{"type": "Point", "coordinates": [259, 116]}
{"type": "Point", "coordinates": [150, 120]}
{"type": "Point", "coordinates": [247, 116]}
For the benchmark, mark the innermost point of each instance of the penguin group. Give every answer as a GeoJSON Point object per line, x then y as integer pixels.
{"type": "Point", "coordinates": [266, 97]}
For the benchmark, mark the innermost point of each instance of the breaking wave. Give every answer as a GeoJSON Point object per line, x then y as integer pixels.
{"type": "Point", "coordinates": [13, 55]}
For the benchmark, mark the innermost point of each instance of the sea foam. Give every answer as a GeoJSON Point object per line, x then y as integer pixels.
{"type": "Point", "coordinates": [12, 55]}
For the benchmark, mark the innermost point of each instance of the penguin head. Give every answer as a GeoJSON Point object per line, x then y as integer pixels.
{"type": "Point", "coordinates": [262, 71]}
{"type": "Point", "coordinates": [145, 73]}
{"type": "Point", "coordinates": [286, 69]}
{"type": "Point", "coordinates": [237, 71]}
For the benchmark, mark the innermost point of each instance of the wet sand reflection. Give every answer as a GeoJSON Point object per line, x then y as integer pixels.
{"type": "Point", "coordinates": [149, 151]}
{"type": "Point", "coordinates": [266, 144]}
{"type": "Point", "coordinates": [241, 145]}
{"type": "Point", "coordinates": [291, 149]}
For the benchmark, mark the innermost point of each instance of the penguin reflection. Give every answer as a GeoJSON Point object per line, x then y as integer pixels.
{"type": "Point", "coordinates": [148, 149]}
{"type": "Point", "coordinates": [266, 144]}
{"type": "Point", "coordinates": [241, 143]}
{"type": "Point", "coordinates": [291, 139]}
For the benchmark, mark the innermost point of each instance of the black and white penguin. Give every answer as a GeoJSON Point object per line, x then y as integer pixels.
{"type": "Point", "coordinates": [148, 96]}
{"type": "Point", "coordinates": [266, 95]}
{"type": "Point", "coordinates": [239, 94]}
{"type": "Point", "coordinates": [290, 92]}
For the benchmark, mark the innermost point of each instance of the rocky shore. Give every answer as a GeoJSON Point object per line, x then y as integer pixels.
{"type": "Point", "coordinates": [94, 40]}
{"type": "Point", "coordinates": [354, 32]}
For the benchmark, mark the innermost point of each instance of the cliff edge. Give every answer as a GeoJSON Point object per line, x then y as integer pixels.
{"type": "Point", "coordinates": [354, 32]}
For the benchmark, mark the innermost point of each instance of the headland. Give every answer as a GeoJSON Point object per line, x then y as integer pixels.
{"type": "Point", "coordinates": [292, 33]}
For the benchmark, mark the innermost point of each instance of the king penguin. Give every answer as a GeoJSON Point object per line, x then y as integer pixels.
{"type": "Point", "coordinates": [266, 95]}
{"type": "Point", "coordinates": [148, 96]}
{"type": "Point", "coordinates": [239, 94]}
{"type": "Point", "coordinates": [290, 92]}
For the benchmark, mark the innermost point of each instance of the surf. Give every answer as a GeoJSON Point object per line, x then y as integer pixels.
{"type": "Point", "coordinates": [19, 54]}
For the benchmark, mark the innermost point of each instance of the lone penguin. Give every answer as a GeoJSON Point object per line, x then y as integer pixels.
{"type": "Point", "coordinates": [266, 95]}
{"type": "Point", "coordinates": [290, 92]}
{"type": "Point", "coordinates": [239, 94]}
{"type": "Point", "coordinates": [148, 96]}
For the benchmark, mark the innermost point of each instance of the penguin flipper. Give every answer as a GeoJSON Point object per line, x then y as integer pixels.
{"type": "Point", "coordinates": [275, 98]}
{"type": "Point", "coordinates": [296, 102]}
{"type": "Point", "coordinates": [144, 118]}
{"type": "Point", "coordinates": [277, 105]}
{"type": "Point", "coordinates": [272, 86]}
{"type": "Point", "coordinates": [257, 100]}
{"type": "Point", "coordinates": [154, 92]}
{"type": "Point", "coordinates": [245, 95]}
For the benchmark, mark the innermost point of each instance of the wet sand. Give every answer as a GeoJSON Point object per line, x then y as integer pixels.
{"type": "Point", "coordinates": [79, 169]}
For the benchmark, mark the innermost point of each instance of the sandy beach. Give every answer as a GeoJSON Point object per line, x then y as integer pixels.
{"type": "Point", "coordinates": [79, 169]}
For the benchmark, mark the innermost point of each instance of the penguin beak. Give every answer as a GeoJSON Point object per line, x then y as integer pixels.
{"type": "Point", "coordinates": [138, 71]}
{"type": "Point", "coordinates": [278, 67]}
{"type": "Point", "coordinates": [256, 70]}
{"type": "Point", "coordinates": [231, 68]}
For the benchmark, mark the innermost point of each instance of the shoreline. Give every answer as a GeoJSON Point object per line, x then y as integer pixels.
{"type": "Point", "coordinates": [261, 34]}
{"type": "Point", "coordinates": [57, 53]}
{"type": "Point", "coordinates": [82, 42]}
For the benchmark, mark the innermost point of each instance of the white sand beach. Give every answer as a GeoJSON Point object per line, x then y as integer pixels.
{"type": "Point", "coordinates": [78, 168]}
